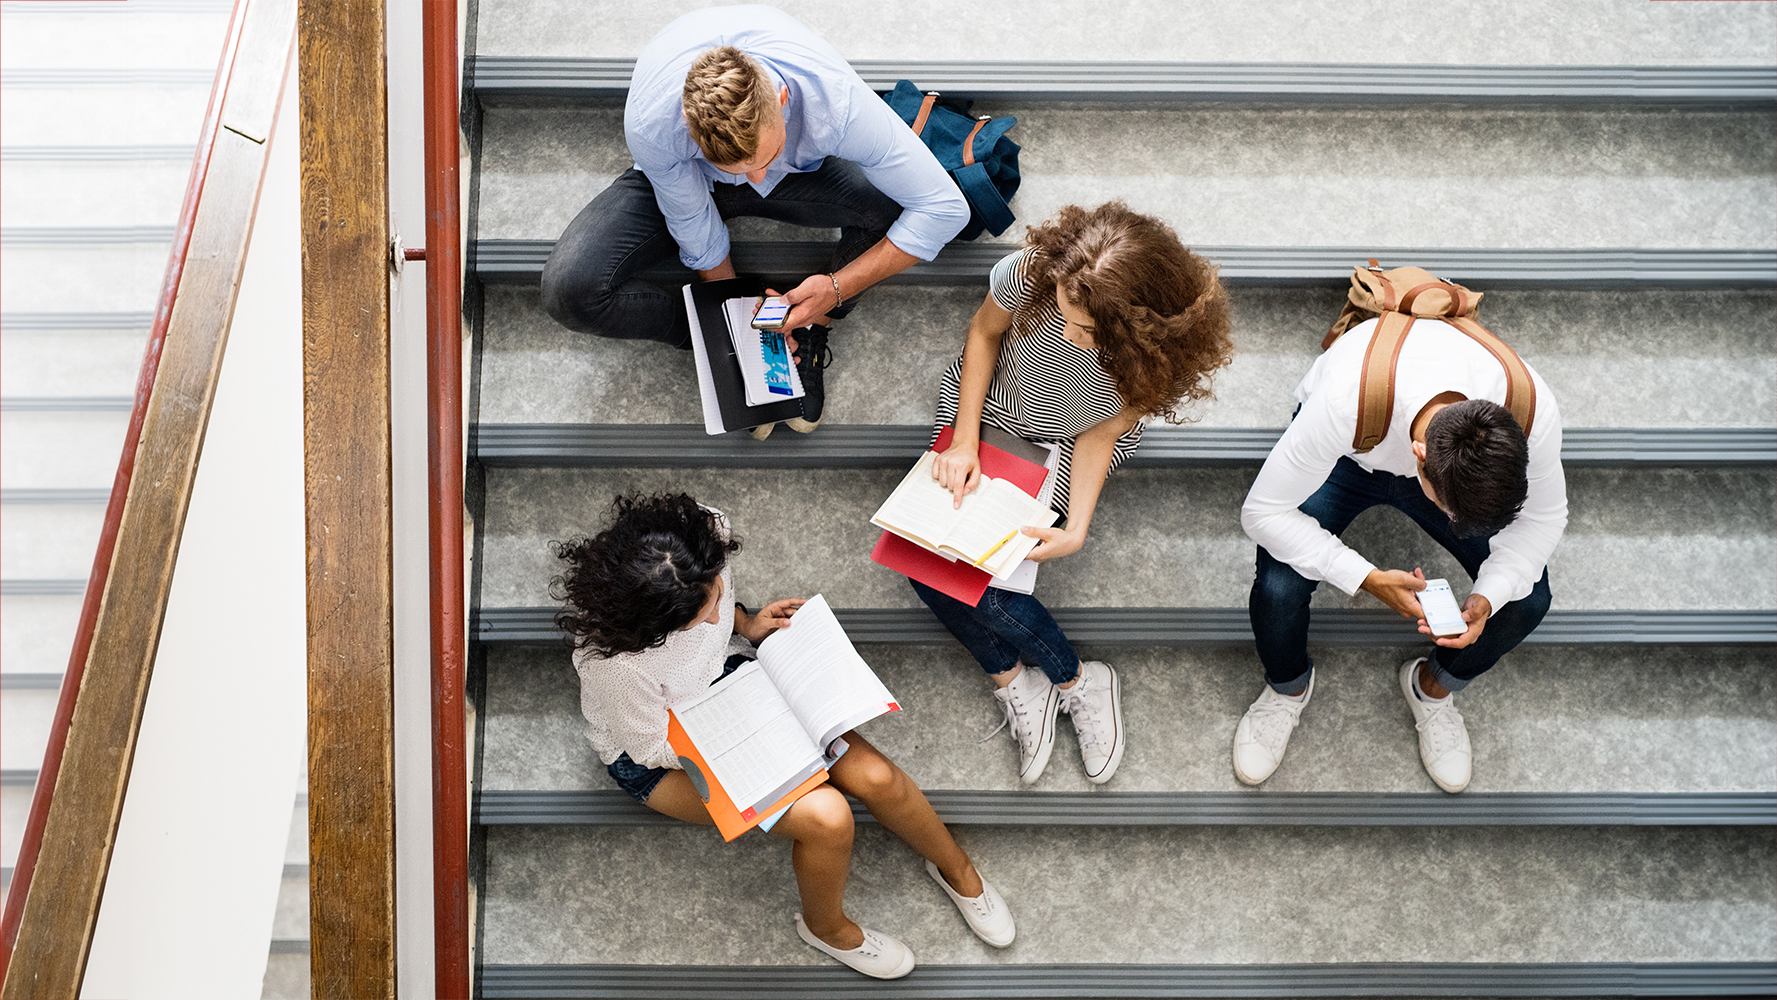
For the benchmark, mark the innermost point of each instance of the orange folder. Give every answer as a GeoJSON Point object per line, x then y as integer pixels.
{"type": "Point", "coordinates": [731, 821]}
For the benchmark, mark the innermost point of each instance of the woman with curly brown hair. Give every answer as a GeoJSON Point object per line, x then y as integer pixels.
{"type": "Point", "coordinates": [650, 604]}
{"type": "Point", "coordinates": [1102, 322]}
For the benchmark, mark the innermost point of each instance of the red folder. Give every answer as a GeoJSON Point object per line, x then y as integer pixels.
{"type": "Point", "coordinates": [957, 579]}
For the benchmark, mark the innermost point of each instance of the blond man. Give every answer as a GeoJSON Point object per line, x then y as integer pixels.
{"type": "Point", "coordinates": [743, 111]}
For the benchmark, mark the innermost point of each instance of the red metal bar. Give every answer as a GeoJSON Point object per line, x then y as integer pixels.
{"type": "Point", "coordinates": [444, 460]}
{"type": "Point", "coordinates": [32, 840]}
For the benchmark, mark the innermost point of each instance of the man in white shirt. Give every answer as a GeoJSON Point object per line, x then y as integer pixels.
{"type": "Point", "coordinates": [1456, 462]}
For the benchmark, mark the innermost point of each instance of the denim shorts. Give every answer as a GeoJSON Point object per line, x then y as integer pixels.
{"type": "Point", "coordinates": [640, 781]}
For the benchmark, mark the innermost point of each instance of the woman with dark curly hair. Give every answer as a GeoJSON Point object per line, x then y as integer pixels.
{"type": "Point", "coordinates": [1111, 323]}
{"type": "Point", "coordinates": [651, 609]}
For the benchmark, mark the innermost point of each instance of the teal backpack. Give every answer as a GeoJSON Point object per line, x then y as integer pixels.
{"type": "Point", "coordinates": [975, 151]}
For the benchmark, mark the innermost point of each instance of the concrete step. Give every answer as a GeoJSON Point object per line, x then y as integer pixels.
{"type": "Point", "coordinates": [1611, 357]}
{"type": "Point", "coordinates": [97, 278]}
{"type": "Point", "coordinates": [1466, 31]}
{"type": "Point", "coordinates": [49, 541]}
{"type": "Point", "coordinates": [76, 190]}
{"type": "Point", "coordinates": [156, 34]}
{"type": "Point", "coordinates": [124, 108]}
{"type": "Point", "coordinates": [1287, 178]}
{"type": "Point", "coordinates": [51, 450]}
{"type": "Point", "coordinates": [1161, 538]}
{"type": "Point", "coordinates": [70, 362]}
{"type": "Point", "coordinates": [1546, 720]}
{"type": "Point", "coordinates": [37, 632]}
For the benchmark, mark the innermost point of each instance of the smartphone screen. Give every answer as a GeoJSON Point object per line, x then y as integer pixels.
{"type": "Point", "coordinates": [1441, 613]}
{"type": "Point", "coordinates": [771, 314]}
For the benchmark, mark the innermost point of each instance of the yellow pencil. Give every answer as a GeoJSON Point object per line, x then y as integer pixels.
{"type": "Point", "coordinates": [989, 553]}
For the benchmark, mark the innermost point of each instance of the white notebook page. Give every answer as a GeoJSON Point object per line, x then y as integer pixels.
{"type": "Point", "coordinates": [821, 675]}
{"type": "Point", "coordinates": [747, 734]}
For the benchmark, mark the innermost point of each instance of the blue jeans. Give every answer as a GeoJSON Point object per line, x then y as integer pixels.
{"type": "Point", "coordinates": [591, 283]}
{"type": "Point", "coordinates": [1280, 595]}
{"type": "Point", "coordinates": [1005, 628]}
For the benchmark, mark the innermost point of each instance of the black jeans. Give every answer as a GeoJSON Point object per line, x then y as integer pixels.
{"type": "Point", "coordinates": [1279, 602]}
{"type": "Point", "coordinates": [591, 283]}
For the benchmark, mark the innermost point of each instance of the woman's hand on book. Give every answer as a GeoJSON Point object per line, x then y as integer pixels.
{"type": "Point", "coordinates": [1057, 542]}
{"type": "Point", "coordinates": [958, 469]}
{"type": "Point", "coordinates": [773, 616]}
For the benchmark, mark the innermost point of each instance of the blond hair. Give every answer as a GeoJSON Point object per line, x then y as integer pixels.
{"type": "Point", "coordinates": [728, 99]}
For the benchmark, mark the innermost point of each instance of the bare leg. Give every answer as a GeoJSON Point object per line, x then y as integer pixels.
{"type": "Point", "coordinates": [898, 804]}
{"type": "Point", "coordinates": [820, 827]}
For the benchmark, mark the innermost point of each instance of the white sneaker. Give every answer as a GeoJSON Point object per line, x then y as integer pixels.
{"type": "Point", "coordinates": [985, 914]}
{"type": "Point", "coordinates": [880, 956]}
{"type": "Point", "coordinates": [1443, 738]}
{"type": "Point", "coordinates": [1029, 702]}
{"type": "Point", "coordinates": [1096, 706]}
{"type": "Point", "coordinates": [1264, 733]}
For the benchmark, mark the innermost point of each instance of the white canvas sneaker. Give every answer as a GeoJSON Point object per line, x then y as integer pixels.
{"type": "Point", "coordinates": [879, 956]}
{"type": "Point", "coordinates": [1096, 706]}
{"type": "Point", "coordinates": [1443, 737]}
{"type": "Point", "coordinates": [1264, 733]}
{"type": "Point", "coordinates": [985, 914]}
{"type": "Point", "coordinates": [1029, 702]}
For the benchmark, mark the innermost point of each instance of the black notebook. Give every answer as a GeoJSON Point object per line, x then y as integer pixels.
{"type": "Point", "coordinates": [719, 378]}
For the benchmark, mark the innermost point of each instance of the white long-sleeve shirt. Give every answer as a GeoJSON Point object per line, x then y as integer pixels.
{"type": "Point", "coordinates": [1435, 358]}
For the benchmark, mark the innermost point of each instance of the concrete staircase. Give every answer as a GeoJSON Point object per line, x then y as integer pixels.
{"type": "Point", "coordinates": [1616, 839]}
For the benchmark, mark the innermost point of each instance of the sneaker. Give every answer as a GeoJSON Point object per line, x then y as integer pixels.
{"type": "Point", "coordinates": [1264, 733]}
{"type": "Point", "coordinates": [763, 431]}
{"type": "Point", "coordinates": [985, 914]}
{"type": "Point", "coordinates": [812, 356]}
{"type": "Point", "coordinates": [880, 956]}
{"type": "Point", "coordinates": [1029, 702]}
{"type": "Point", "coordinates": [1443, 738]}
{"type": "Point", "coordinates": [1096, 706]}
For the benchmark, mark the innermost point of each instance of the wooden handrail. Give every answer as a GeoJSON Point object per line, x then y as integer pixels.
{"type": "Point", "coordinates": [444, 461]}
{"type": "Point", "coordinates": [66, 850]}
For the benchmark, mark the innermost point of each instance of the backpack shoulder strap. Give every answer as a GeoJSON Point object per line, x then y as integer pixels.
{"type": "Point", "coordinates": [1375, 388]}
{"type": "Point", "coordinates": [1520, 389]}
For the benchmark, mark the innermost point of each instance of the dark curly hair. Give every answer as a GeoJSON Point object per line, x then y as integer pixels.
{"type": "Point", "coordinates": [1160, 312]}
{"type": "Point", "coordinates": [1477, 461]}
{"type": "Point", "coordinates": [643, 577]}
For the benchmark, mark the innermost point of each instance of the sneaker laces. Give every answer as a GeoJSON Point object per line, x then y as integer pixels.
{"type": "Point", "coordinates": [1015, 718]}
{"type": "Point", "coordinates": [1272, 720]}
{"type": "Point", "coordinates": [1084, 712]}
{"type": "Point", "coordinates": [812, 351]}
{"type": "Point", "coordinates": [1442, 725]}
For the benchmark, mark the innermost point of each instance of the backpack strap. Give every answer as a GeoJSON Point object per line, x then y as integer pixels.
{"type": "Point", "coordinates": [1520, 389]}
{"type": "Point", "coordinates": [925, 111]}
{"type": "Point", "coordinates": [1375, 387]}
{"type": "Point", "coordinates": [969, 143]}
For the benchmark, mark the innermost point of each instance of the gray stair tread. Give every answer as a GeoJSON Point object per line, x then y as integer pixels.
{"type": "Point", "coordinates": [44, 450]}
{"type": "Point", "coordinates": [1717, 375]}
{"type": "Point", "coordinates": [42, 541]}
{"type": "Point", "coordinates": [1421, 979]}
{"type": "Point", "coordinates": [69, 363]}
{"type": "Point", "coordinates": [92, 192]}
{"type": "Point", "coordinates": [1178, 894]}
{"type": "Point", "coordinates": [36, 633]}
{"type": "Point", "coordinates": [142, 111]}
{"type": "Point", "coordinates": [1160, 538]}
{"type": "Point", "coordinates": [106, 277]}
{"type": "Point", "coordinates": [25, 718]}
{"type": "Point", "coordinates": [1236, 180]}
{"type": "Point", "coordinates": [1465, 31]}
{"type": "Point", "coordinates": [1546, 720]}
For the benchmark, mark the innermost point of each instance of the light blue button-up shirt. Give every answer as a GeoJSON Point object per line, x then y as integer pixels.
{"type": "Point", "coordinates": [831, 112]}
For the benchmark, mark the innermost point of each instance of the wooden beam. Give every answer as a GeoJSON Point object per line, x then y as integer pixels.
{"type": "Point", "coordinates": [345, 355]}
{"type": "Point", "coordinates": [61, 906]}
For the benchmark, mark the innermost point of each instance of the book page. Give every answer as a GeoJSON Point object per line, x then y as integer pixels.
{"type": "Point", "coordinates": [750, 738]}
{"type": "Point", "coordinates": [920, 510]}
{"type": "Point", "coordinates": [826, 683]}
{"type": "Point", "coordinates": [992, 513]}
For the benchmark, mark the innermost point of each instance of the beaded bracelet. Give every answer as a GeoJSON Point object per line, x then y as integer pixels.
{"type": "Point", "coordinates": [839, 299]}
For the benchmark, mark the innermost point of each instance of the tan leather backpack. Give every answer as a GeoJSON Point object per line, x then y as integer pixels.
{"type": "Point", "coordinates": [1399, 297]}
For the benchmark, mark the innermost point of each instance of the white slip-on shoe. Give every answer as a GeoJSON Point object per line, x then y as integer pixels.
{"type": "Point", "coordinates": [1030, 703]}
{"type": "Point", "coordinates": [985, 914]}
{"type": "Point", "coordinates": [880, 956]}
{"type": "Point", "coordinates": [1264, 733]}
{"type": "Point", "coordinates": [1443, 737]}
{"type": "Point", "coordinates": [1096, 706]}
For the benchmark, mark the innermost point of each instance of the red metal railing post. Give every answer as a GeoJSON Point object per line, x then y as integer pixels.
{"type": "Point", "coordinates": [444, 368]}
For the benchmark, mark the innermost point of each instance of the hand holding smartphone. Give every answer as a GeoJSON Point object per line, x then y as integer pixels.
{"type": "Point", "coordinates": [772, 312]}
{"type": "Point", "coordinates": [1442, 615]}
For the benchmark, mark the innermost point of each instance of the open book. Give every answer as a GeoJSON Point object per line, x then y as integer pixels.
{"type": "Point", "coordinates": [983, 532]}
{"type": "Point", "coordinates": [766, 372]}
{"type": "Point", "coordinates": [763, 736]}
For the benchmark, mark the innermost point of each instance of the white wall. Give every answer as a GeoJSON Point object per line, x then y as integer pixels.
{"type": "Point", "coordinates": [188, 904]}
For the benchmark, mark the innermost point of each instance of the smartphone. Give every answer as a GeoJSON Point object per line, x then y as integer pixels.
{"type": "Point", "coordinates": [771, 314]}
{"type": "Point", "coordinates": [1441, 613]}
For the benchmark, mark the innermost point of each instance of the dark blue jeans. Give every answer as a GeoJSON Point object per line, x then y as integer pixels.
{"type": "Point", "coordinates": [1005, 628]}
{"type": "Point", "coordinates": [1279, 601]}
{"type": "Point", "coordinates": [591, 283]}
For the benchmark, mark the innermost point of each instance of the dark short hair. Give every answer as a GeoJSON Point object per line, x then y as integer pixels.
{"type": "Point", "coordinates": [642, 578]}
{"type": "Point", "coordinates": [1476, 460]}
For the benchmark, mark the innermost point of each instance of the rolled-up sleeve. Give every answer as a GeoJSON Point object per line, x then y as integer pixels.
{"type": "Point", "coordinates": [683, 194]}
{"type": "Point", "coordinates": [1519, 553]}
{"type": "Point", "coordinates": [1297, 467]}
{"type": "Point", "coordinates": [933, 210]}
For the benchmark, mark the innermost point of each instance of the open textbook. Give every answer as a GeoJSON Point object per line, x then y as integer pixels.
{"type": "Point", "coordinates": [762, 737]}
{"type": "Point", "coordinates": [983, 531]}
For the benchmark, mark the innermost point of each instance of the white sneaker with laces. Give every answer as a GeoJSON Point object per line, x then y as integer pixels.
{"type": "Point", "coordinates": [1029, 702]}
{"type": "Point", "coordinates": [879, 956]}
{"type": "Point", "coordinates": [1443, 737]}
{"type": "Point", "coordinates": [985, 914]}
{"type": "Point", "coordinates": [1264, 733]}
{"type": "Point", "coordinates": [1096, 706]}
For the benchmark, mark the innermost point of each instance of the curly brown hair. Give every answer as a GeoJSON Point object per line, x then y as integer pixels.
{"type": "Point", "coordinates": [1160, 311]}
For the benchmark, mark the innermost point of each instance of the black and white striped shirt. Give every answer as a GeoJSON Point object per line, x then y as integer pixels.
{"type": "Point", "coordinates": [1044, 388]}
